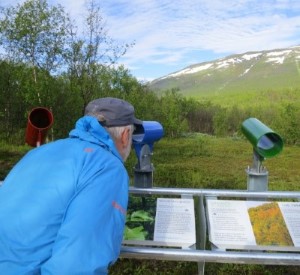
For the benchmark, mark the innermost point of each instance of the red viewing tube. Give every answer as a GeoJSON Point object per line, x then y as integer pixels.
{"type": "Point", "coordinates": [40, 119]}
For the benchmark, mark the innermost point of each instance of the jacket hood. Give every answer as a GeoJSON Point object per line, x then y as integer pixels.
{"type": "Point", "coordinates": [89, 129]}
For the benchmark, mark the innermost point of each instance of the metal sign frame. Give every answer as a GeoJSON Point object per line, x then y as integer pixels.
{"type": "Point", "coordinates": [199, 253]}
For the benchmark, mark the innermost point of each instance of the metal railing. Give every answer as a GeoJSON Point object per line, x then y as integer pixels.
{"type": "Point", "coordinates": [200, 254]}
{"type": "Point", "coordinates": [172, 254]}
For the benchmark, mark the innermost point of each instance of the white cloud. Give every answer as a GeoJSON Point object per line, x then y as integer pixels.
{"type": "Point", "coordinates": [219, 26]}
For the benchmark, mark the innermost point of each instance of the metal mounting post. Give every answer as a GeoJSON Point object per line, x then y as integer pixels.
{"type": "Point", "coordinates": [257, 174]}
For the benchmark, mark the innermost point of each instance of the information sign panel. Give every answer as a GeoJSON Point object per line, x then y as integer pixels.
{"type": "Point", "coordinates": [257, 225]}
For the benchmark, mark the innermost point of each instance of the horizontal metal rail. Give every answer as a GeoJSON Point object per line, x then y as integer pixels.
{"type": "Point", "coordinates": [215, 192]}
{"type": "Point", "coordinates": [190, 255]}
{"type": "Point", "coordinates": [216, 256]}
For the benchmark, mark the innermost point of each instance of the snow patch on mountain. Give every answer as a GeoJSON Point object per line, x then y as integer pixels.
{"type": "Point", "coordinates": [251, 56]}
{"type": "Point", "coordinates": [278, 60]}
{"type": "Point", "coordinates": [227, 62]}
{"type": "Point", "coordinates": [190, 70]}
{"type": "Point", "coordinates": [279, 53]}
{"type": "Point", "coordinates": [275, 56]}
{"type": "Point", "coordinates": [246, 71]}
{"type": "Point", "coordinates": [278, 56]}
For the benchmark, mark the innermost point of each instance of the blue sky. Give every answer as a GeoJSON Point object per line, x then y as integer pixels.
{"type": "Point", "coordinates": [170, 35]}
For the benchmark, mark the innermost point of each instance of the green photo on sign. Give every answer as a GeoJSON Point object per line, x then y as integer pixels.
{"type": "Point", "coordinates": [140, 218]}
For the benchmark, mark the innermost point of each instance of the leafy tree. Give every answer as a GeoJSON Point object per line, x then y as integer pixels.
{"type": "Point", "coordinates": [201, 116]}
{"type": "Point", "coordinates": [289, 123]}
{"type": "Point", "coordinates": [51, 65]}
{"type": "Point", "coordinates": [228, 121]}
{"type": "Point", "coordinates": [172, 114]}
{"type": "Point", "coordinates": [35, 34]}
{"type": "Point", "coordinates": [91, 54]}
{"type": "Point", "coordinates": [12, 107]}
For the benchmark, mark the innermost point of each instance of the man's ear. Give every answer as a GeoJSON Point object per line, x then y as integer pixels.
{"type": "Point", "coordinates": [125, 138]}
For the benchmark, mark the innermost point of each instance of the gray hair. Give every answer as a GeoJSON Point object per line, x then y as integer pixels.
{"type": "Point", "coordinates": [116, 131]}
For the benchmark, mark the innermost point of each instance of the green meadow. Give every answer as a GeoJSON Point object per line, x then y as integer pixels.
{"type": "Point", "coordinates": [252, 99]}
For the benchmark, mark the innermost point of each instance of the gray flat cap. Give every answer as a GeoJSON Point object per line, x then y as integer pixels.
{"type": "Point", "coordinates": [112, 111]}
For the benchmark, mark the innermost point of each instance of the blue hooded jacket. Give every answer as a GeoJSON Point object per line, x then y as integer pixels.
{"type": "Point", "coordinates": [63, 206]}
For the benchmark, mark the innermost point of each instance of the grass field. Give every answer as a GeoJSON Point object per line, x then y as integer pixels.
{"type": "Point", "coordinates": [199, 161]}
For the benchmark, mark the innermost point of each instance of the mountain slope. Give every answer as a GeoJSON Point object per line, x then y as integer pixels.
{"type": "Point", "coordinates": [252, 71]}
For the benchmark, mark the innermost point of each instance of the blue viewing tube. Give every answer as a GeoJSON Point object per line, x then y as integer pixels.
{"type": "Point", "coordinates": [148, 133]}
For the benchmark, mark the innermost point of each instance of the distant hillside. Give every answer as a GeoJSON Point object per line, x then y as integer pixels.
{"type": "Point", "coordinates": [249, 72]}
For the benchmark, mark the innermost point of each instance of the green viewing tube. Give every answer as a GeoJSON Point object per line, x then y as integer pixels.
{"type": "Point", "coordinates": [265, 141]}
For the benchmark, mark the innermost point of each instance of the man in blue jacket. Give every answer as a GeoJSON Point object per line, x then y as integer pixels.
{"type": "Point", "coordinates": [63, 205]}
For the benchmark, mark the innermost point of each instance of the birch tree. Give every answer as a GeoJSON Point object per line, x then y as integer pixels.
{"type": "Point", "coordinates": [35, 33]}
